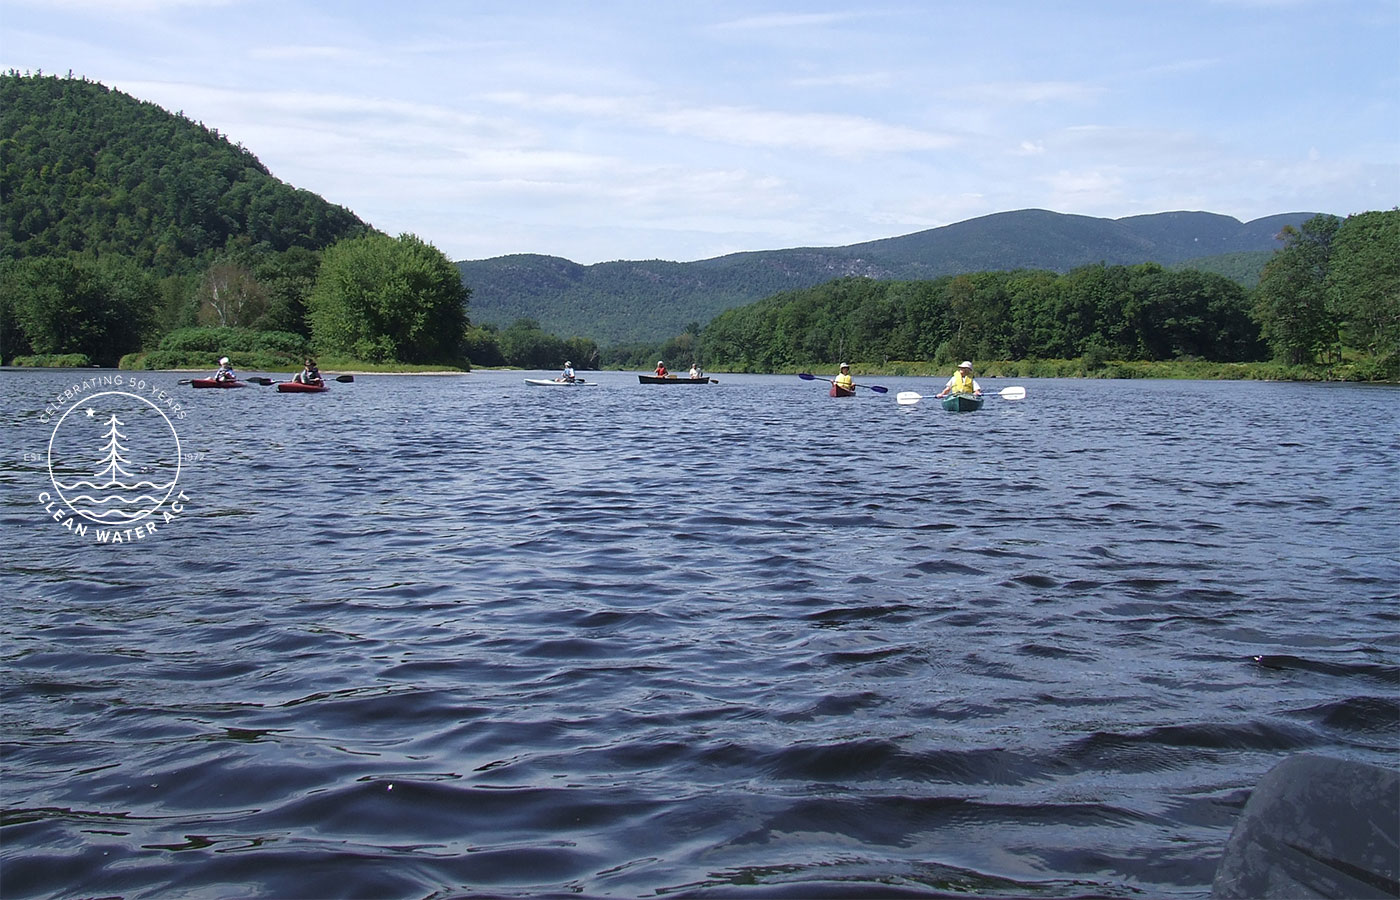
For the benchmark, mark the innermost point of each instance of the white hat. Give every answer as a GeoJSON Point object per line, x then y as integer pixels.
{"type": "Point", "coordinates": [965, 364]}
{"type": "Point", "coordinates": [660, 363]}
{"type": "Point", "coordinates": [223, 360]}
{"type": "Point", "coordinates": [845, 365]}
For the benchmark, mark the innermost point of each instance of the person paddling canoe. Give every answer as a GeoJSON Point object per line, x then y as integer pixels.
{"type": "Point", "coordinates": [661, 370]}
{"type": "Point", "coordinates": [962, 382]}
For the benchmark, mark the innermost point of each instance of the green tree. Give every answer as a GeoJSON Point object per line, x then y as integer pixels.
{"type": "Point", "coordinates": [1291, 300]}
{"type": "Point", "coordinates": [78, 305]}
{"type": "Point", "coordinates": [176, 303]}
{"type": "Point", "coordinates": [1363, 283]}
{"type": "Point", "coordinates": [481, 345]}
{"type": "Point", "coordinates": [12, 338]}
{"type": "Point", "coordinates": [288, 278]}
{"type": "Point", "coordinates": [230, 296]}
{"type": "Point", "coordinates": [386, 299]}
{"type": "Point", "coordinates": [525, 346]}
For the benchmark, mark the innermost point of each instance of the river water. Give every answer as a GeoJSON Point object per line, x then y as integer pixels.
{"type": "Point", "coordinates": [445, 636]}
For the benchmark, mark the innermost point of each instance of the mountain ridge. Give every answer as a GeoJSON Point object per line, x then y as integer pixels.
{"type": "Point", "coordinates": [624, 301]}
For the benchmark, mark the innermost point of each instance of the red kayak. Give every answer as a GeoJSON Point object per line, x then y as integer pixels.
{"type": "Point", "coordinates": [296, 387]}
{"type": "Point", "coordinates": [215, 383]}
{"type": "Point", "coordinates": [837, 391]}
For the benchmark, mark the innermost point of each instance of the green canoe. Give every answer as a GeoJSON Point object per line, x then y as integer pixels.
{"type": "Point", "coordinates": [962, 402]}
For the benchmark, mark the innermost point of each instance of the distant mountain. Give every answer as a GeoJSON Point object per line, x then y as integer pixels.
{"type": "Point", "coordinates": [88, 168]}
{"type": "Point", "coordinates": [650, 301]}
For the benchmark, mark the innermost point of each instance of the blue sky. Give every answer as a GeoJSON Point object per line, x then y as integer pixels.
{"type": "Point", "coordinates": [686, 130]}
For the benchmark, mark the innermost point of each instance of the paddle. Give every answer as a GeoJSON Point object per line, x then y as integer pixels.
{"type": "Point", "coordinates": [266, 382]}
{"type": "Point", "coordinates": [805, 376]}
{"type": "Point", "coordinates": [904, 398]}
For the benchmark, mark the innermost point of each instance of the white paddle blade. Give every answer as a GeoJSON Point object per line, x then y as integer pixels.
{"type": "Point", "coordinates": [905, 398]}
{"type": "Point", "coordinates": [1013, 393]}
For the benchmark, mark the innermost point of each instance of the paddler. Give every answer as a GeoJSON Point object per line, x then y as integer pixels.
{"type": "Point", "coordinates": [568, 373]}
{"type": "Point", "coordinates": [962, 382]}
{"type": "Point", "coordinates": [309, 374]}
{"type": "Point", "coordinates": [661, 370]}
{"type": "Point", "coordinates": [225, 372]}
{"type": "Point", "coordinates": [843, 380]}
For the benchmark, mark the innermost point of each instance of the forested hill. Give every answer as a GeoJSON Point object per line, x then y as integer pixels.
{"type": "Point", "coordinates": [618, 302]}
{"type": "Point", "coordinates": [85, 167]}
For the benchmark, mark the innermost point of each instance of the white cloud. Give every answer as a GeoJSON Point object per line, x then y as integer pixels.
{"type": "Point", "coordinates": [838, 135]}
{"type": "Point", "coordinates": [120, 8]}
{"type": "Point", "coordinates": [294, 53]}
{"type": "Point", "coordinates": [1020, 92]}
{"type": "Point", "coordinates": [1071, 184]}
{"type": "Point", "coordinates": [863, 80]}
{"type": "Point", "coordinates": [784, 21]}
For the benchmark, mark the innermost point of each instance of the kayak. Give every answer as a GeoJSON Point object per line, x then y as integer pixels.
{"type": "Point", "coordinates": [671, 379]}
{"type": "Point", "coordinates": [838, 391]}
{"type": "Point", "coordinates": [296, 387]}
{"type": "Point", "coordinates": [550, 382]}
{"type": "Point", "coordinates": [1315, 826]}
{"type": "Point", "coordinates": [215, 383]}
{"type": "Point", "coordinates": [962, 402]}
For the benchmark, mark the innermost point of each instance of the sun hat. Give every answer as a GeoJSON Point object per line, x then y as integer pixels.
{"type": "Point", "coordinates": [223, 360]}
{"type": "Point", "coordinates": [965, 364]}
{"type": "Point", "coordinates": [845, 365]}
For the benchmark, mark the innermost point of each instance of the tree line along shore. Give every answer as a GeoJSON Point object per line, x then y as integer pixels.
{"type": "Point", "coordinates": [1327, 307]}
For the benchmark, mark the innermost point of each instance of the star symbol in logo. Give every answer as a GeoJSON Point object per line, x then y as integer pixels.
{"type": "Point", "coordinates": [91, 412]}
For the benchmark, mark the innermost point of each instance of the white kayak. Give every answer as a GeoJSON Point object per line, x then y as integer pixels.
{"type": "Point", "coordinates": [550, 382]}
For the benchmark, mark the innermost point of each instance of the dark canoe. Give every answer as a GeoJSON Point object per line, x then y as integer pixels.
{"type": "Point", "coordinates": [215, 383]}
{"type": "Point", "coordinates": [838, 391]}
{"type": "Point", "coordinates": [671, 379]}
{"type": "Point", "coordinates": [962, 402]}
{"type": "Point", "coordinates": [1315, 827]}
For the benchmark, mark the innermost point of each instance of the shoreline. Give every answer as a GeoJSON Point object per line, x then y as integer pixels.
{"type": "Point", "coordinates": [1121, 371]}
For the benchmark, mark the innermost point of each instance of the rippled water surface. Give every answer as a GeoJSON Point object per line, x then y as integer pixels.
{"type": "Point", "coordinates": [440, 636]}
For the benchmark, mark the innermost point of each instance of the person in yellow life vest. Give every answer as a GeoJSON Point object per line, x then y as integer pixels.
{"type": "Point", "coordinates": [843, 381]}
{"type": "Point", "coordinates": [962, 382]}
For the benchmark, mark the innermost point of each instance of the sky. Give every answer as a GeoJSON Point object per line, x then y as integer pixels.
{"type": "Point", "coordinates": [600, 130]}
